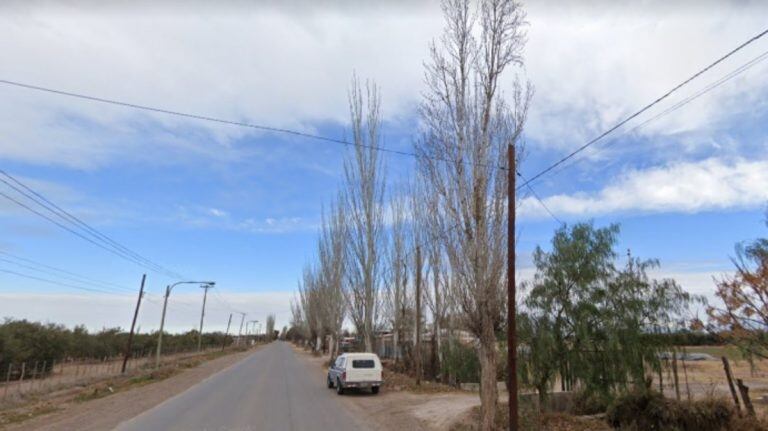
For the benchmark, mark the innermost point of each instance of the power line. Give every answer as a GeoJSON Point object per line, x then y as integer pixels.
{"type": "Point", "coordinates": [63, 271]}
{"type": "Point", "coordinates": [49, 272]}
{"type": "Point", "coordinates": [642, 110]}
{"type": "Point", "coordinates": [200, 117]}
{"type": "Point", "coordinates": [98, 239]}
{"type": "Point", "coordinates": [75, 220]}
{"type": "Point", "coordinates": [736, 72]}
{"type": "Point", "coordinates": [541, 201]}
{"type": "Point", "coordinates": [58, 283]}
{"type": "Point", "coordinates": [68, 229]}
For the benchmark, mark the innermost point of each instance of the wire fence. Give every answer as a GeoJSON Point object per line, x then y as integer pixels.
{"type": "Point", "coordinates": [25, 379]}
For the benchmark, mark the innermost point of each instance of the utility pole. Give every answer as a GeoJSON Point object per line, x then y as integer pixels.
{"type": "Point", "coordinates": [202, 316]}
{"type": "Point", "coordinates": [162, 318]}
{"type": "Point", "coordinates": [511, 290]}
{"type": "Point", "coordinates": [162, 324]}
{"type": "Point", "coordinates": [224, 343]}
{"type": "Point", "coordinates": [133, 325]}
{"type": "Point", "coordinates": [240, 332]}
{"type": "Point", "coordinates": [417, 353]}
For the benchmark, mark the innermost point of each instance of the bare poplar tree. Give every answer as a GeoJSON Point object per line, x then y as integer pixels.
{"type": "Point", "coordinates": [270, 327]}
{"type": "Point", "coordinates": [467, 127]}
{"type": "Point", "coordinates": [310, 305]}
{"type": "Point", "coordinates": [397, 273]}
{"type": "Point", "coordinates": [437, 295]}
{"type": "Point", "coordinates": [418, 237]}
{"type": "Point", "coordinates": [331, 256]}
{"type": "Point", "coordinates": [364, 196]}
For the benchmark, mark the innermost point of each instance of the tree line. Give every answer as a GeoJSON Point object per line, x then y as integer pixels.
{"type": "Point", "coordinates": [424, 258]}
{"type": "Point", "coordinates": [25, 341]}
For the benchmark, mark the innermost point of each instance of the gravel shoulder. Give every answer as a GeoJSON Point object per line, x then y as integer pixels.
{"type": "Point", "coordinates": [107, 412]}
{"type": "Point", "coordinates": [399, 410]}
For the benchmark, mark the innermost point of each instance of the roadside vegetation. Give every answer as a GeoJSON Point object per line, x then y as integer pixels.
{"type": "Point", "coordinates": [418, 266]}
{"type": "Point", "coordinates": [22, 341]}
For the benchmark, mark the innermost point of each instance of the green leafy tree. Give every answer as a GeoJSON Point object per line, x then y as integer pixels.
{"type": "Point", "coordinates": [589, 322]}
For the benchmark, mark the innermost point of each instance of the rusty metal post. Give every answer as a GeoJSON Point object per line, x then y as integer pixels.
{"type": "Point", "coordinates": [511, 290]}
{"type": "Point", "coordinates": [133, 325]}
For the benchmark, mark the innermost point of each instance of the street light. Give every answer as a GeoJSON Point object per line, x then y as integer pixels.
{"type": "Point", "coordinates": [165, 306]}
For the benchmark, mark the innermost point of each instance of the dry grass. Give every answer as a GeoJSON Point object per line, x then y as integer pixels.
{"type": "Point", "coordinates": [396, 381]}
{"type": "Point", "coordinates": [40, 404]}
{"type": "Point", "coordinates": [532, 421]}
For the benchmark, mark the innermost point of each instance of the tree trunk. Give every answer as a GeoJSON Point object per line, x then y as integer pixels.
{"type": "Point", "coordinates": [333, 347]}
{"type": "Point", "coordinates": [488, 390]}
{"type": "Point", "coordinates": [396, 344]}
{"type": "Point", "coordinates": [417, 349]}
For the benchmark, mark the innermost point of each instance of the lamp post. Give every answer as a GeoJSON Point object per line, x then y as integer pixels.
{"type": "Point", "coordinates": [162, 318]}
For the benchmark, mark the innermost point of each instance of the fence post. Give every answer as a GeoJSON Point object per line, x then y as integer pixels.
{"type": "Point", "coordinates": [744, 390]}
{"type": "Point", "coordinates": [53, 373]}
{"type": "Point", "coordinates": [39, 381]}
{"type": "Point", "coordinates": [21, 377]}
{"type": "Point", "coordinates": [729, 376]}
{"type": "Point", "coordinates": [34, 376]}
{"type": "Point", "coordinates": [7, 380]}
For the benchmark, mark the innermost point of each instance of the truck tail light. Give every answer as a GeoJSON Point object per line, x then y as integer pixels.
{"type": "Point", "coordinates": [344, 375]}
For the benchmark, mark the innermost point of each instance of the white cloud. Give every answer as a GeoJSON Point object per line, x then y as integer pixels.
{"type": "Point", "coordinates": [711, 184]}
{"type": "Point", "coordinates": [289, 66]}
{"type": "Point", "coordinates": [217, 212]}
{"type": "Point", "coordinates": [594, 63]}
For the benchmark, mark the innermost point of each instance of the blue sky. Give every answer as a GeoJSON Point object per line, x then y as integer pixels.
{"type": "Point", "coordinates": [242, 207]}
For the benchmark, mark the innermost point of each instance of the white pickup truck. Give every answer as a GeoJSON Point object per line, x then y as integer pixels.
{"type": "Point", "coordinates": [355, 370]}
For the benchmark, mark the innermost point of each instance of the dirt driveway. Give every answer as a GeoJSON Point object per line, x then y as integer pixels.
{"type": "Point", "coordinates": [399, 410]}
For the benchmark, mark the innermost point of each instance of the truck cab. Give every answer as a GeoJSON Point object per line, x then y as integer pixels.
{"type": "Point", "coordinates": [355, 370]}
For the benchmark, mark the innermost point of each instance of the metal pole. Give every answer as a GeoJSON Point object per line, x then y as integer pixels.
{"type": "Point", "coordinates": [202, 316]}
{"type": "Point", "coordinates": [162, 324]}
{"type": "Point", "coordinates": [133, 325]}
{"type": "Point", "coordinates": [511, 287]}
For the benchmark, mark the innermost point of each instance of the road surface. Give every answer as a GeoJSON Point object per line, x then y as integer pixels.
{"type": "Point", "coordinates": [269, 390]}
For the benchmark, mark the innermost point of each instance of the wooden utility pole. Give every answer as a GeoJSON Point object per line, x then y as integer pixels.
{"type": "Point", "coordinates": [511, 290]}
{"type": "Point", "coordinates": [417, 349]}
{"type": "Point", "coordinates": [240, 332]}
{"type": "Point", "coordinates": [202, 316]}
{"type": "Point", "coordinates": [133, 325]}
{"type": "Point", "coordinates": [224, 343]}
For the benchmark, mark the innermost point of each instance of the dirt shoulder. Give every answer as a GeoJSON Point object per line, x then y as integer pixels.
{"type": "Point", "coordinates": [400, 409]}
{"type": "Point", "coordinates": [94, 410]}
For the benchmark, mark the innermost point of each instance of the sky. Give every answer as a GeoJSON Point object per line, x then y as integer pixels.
{"type": "Point", "coordinates": [242, 206]}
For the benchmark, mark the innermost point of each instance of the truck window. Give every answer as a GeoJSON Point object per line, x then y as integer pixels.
{"type": "Point", "coordinates": [363, 363]}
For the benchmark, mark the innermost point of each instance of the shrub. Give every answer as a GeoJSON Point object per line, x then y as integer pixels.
{"type": "Point", "coordinates": [644, 409]}
{"type": "Point", "coordinates": [460, 362]}
{"type": "Point", "coordinates": [590, 402]}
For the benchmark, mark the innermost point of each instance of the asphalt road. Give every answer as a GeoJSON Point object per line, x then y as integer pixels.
{"type": "Point", "coordinates": [271, 389]}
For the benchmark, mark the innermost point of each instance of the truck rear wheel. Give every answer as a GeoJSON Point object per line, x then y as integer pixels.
{"type": "Point", "coordinates": [339, 388]}
{"type": "Point", "coordinates": [374, 390]}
